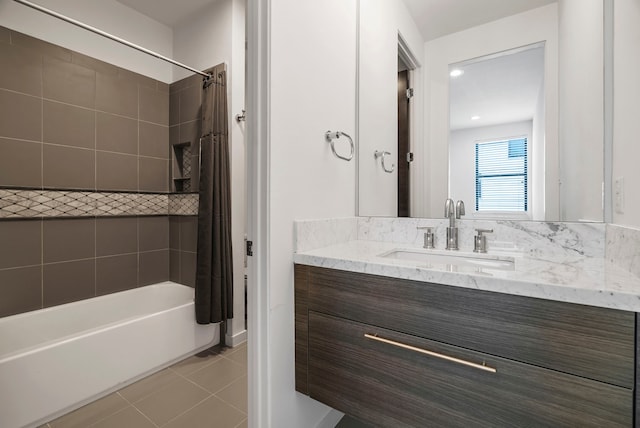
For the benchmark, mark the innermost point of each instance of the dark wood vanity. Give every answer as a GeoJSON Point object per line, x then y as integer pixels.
{"type": "Point", "coordinates": [397, 353]}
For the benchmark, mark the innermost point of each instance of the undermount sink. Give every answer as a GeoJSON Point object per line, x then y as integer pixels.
{"type": "Point", "coordinates": [431, 258]}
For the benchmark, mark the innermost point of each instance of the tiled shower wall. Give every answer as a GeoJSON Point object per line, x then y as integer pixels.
{"type": "Point", "coordinates": [184, 128]}
{"type": "Point", "coordinates": [70, 122]}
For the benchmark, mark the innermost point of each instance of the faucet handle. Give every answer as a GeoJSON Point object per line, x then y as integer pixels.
{"type": "Point", "coordinates": [480, 241]}
{"type": "Point", "coordinates": [481, 231]}
{"type": "Point", "coordinates": [429, 239]}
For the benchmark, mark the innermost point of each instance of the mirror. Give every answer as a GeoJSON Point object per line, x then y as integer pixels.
{"type": "Point", "coordinates": [424, 41]}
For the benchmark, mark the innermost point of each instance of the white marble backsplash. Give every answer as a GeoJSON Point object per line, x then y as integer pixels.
{"type": "Point", "coordinates": [312, 234]}
{"type": "Point", "coordinates": [623, 248]}
{"type": "Point", "coordinates": [553, 241]}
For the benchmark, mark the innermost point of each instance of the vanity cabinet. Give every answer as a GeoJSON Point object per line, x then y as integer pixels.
{"type": "Point", "coordinates": [398, 353]}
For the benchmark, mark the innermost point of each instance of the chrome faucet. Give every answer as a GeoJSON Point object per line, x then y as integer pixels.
{"type": "Point", "coordinates": [452, 212]}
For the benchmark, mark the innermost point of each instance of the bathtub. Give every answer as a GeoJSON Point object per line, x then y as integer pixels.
{"type": "Point", "coordinates": [55, 360]}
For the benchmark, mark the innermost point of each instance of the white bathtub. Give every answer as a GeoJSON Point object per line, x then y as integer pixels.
{"type": "Point", "coordinates": [57, 359]}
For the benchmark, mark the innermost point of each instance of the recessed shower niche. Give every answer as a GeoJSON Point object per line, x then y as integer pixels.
{"type": "Point", "coordinates": [182, 167]}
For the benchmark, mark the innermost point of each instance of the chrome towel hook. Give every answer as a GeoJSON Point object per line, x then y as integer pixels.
{"type": "Point", "coordinates": [378, 154]}
{"type": "Point", "coordinates": [331, 136]}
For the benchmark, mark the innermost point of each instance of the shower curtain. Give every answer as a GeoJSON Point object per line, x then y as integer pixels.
{"type": "Point", "coordinates": [214, 270]}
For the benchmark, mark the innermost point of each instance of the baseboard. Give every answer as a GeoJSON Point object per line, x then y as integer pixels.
{"type": "Point", "coordinates": [236, 339]}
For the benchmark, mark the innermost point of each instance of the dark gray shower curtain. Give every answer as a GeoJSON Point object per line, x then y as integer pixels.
{"type": "Point", "coordinates": [214, 270]}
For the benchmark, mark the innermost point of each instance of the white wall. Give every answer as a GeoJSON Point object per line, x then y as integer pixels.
{"type": "Point", "coordinates": [533, 26]}
{"type": "Point", "coordinates": [380, 23]}
{"type": "Point", "coordinates": [626, 122]}
{"type": "Point", "coordinates": [107, 15]}
{"type": "Point", "coordinates": [581, 108]}
{"type": "Point", "coordinates": [210, 37]}
{"type": "Point", "coordinates": [312, 89]}
{"type": "Point", "coordinates": [462, 157]}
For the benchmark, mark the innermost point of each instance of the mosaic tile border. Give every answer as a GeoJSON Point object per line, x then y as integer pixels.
{"type": "Point", "coordinates": [61, 203]}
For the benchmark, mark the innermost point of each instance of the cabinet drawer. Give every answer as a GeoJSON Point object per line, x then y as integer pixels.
{"type": "Point", "coordinates": [387, 385]}
{"type": "Point", "coordinates": [591, 342]}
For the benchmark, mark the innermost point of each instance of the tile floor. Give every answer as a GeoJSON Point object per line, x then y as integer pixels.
{"type": "Point", "coordinates": [207, 390]}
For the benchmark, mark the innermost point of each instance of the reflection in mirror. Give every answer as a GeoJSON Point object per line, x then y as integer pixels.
{"type": "Point", "coordinates": [496, 106]}
{"type": "Point", "coordinates": [564, 145]}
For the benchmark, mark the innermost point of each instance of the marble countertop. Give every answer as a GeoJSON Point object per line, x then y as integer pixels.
{"type": "Point", "coordinates": [588, 280]}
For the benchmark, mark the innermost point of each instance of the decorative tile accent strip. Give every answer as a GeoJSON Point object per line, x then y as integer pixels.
{"type": "Point", "coordinates": [186, 204]}
{"type": "Point", "coordinates": [16, 203]}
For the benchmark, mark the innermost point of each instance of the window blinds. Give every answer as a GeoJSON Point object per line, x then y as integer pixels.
{"type": "Point", "coordinates": [501, 175]}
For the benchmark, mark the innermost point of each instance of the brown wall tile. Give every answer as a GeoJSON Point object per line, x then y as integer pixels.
{"type": "Point", "coordinates": [188, 233]}
{"type": "Point", "coordinates": [69, 83]}
{"type": "Point", "coordinates": [68, 167]}
{"type": "Point", "coordinates": [21, 70]}
{"type": "Point", "coordinates": [174, 232]}
{"type": "Point", "coordinates": [154, 140]}
{"type": "Point", "coordinates": [174, 108]}
{"type": "Point", "coordinates": [188, 268]}
{"type": "Point", "coordinates": [174, 135]}
{"type": "Point", "coordinates": [21, 243]}
{"type": "Point", "coordinates": [21, 290]}
{"type": "Point", "coordinates": [190, 133]}
{"type": "Point", "coordinates": [20, 116]}
{"type": "Point", "coordinates": [93, 63]}
{"type": "Point", "coordinates": [68, 239]}
{"type": "Point", "coordinates": [68, 125]}
{"type": "Point", "coordinates": [153, 233]}
{"type": "Point", "coordinates": [162, 87]}
{"type": "Point", "coordinates": [190, 103]}
{"type": "Point", "coordinates": [41, 46]}
{"type": "Point", "coordinates": [116, 236]}
{"type": "Point", "coordinates": [116, 273]}
{"type": "Point", "coordinates": [154, 267]}
{"type": "Point", "coordinates": [68, 282]}
{"type": "Point", "coordinates": [118, 95]}
{"type": "Point", "coordinates": [154, 106]}
{"type": "Point", "coordinates": [116, 134]}
{"type": "Point", "coordinates": [5, 35]}
{"type": "Point", "coordinates": [116, 171]}
{"type": "Point", "coordinates": [138, 79]}
{"type": "Point", "coordinates": [174, 265]}
{"type": "Point", "coordinates": [20, 163]}
{"type": "Point", "coordinates": [154, 174]}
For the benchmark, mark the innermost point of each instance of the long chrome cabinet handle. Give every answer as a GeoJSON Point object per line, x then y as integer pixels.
{"type": "Point", "coordinates": [431, 353]}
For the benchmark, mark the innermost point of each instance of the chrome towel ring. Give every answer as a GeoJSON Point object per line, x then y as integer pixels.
{"type": "Point", "coordinates": [331, 136]}
{"type": "Point", "coordinates": [378, 154]}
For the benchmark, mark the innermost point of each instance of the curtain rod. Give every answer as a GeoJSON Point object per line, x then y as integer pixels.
{"type": "Point", "coordinates": [108, 36]}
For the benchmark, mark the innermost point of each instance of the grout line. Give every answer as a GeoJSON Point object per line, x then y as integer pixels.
{"type": "Point", "coordinates": [188, 410]}
{"type": "Point", "coordinates": [145, 416]}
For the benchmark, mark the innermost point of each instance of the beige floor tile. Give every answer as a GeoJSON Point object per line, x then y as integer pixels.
{"type": "Point", "coordinates": [127, 418]}
{"type": "Point", "coordinates": [218, 375]}
{"type": "Point", "coordinates": [212, 413]}
{"type": "Point", "coordinates": [243, 424]}
{"type": "Point", "coordinates": [235, 394]}
{"type": "Point", "coordinates": [194, 363]}
{"type": "Point", "coordinates": [239, 356]}
{"type": "Point", "coordinates": [148, 385]}
{"type": "Point", "coordinates": [171, 401]}
{"type": "Point", "coordinates": [91, 413]}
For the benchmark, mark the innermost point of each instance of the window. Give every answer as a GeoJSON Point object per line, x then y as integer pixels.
{"type": "Point", "coordinates": [501, 176]}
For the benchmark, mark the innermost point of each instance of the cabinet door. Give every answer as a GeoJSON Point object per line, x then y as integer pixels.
{"type": "Point", "coordinates": [390, 385]}
{"type": "Point", "coordinates": [596, 343]}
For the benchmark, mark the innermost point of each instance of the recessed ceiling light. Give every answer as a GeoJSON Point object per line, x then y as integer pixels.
{"type": "Point", "coordinates": [475, 117]}
{"type": "Point", "coordinates": [456, 72]}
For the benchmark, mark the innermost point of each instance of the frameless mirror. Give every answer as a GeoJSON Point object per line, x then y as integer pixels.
{"type": "Point", "coordinates": [551, 122]}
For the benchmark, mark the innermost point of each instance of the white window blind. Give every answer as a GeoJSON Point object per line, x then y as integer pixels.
{"type": "Point", "coordinates": [501, 175]}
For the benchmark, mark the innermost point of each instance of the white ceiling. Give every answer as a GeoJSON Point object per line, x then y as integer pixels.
{"type": "Point", "coordinates": [170, 13]}
{"type": "Point", "coordinates": [437, 18]}
{"type": "Point", "coordinates": [502, 89]}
